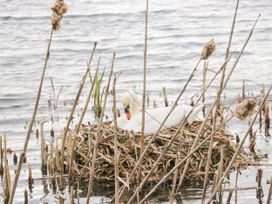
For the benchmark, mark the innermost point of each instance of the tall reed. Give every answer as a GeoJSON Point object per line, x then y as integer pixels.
{"type": "Point", "coordinates": [93, 161]}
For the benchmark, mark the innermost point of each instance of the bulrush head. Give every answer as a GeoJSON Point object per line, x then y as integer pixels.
{"type": "Point", "coordinates": [245, 108]}
{"type": "Point", "coordinates": [208, 49]}
{"type": "Point", "coordinates": [58, 9]}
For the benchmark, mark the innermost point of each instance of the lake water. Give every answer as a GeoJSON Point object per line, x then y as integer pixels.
{"type": "Point", "coordinates": [177, 32]}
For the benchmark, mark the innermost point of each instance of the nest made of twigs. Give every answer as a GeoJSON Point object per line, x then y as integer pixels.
{"type": "Point", "coordinates": [129, 148]}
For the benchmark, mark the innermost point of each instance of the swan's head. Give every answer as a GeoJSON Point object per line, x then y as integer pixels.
{"type": "Point", "coordinates": [127, 100]}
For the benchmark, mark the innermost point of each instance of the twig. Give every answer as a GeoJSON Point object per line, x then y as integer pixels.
{"type": "Point", "coordinates": [116, 152]}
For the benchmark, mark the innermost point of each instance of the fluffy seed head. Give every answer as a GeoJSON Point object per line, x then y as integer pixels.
{"type": "Point", "coordinates": [208, 49]}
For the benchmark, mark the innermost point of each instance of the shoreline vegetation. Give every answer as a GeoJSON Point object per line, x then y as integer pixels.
{"type": "Point", "coordinates": [201, 154]}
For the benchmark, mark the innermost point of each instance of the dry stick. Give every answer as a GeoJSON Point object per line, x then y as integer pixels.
{"type": "Point", "coordinates": [90, 186]}
{"type": "Point", "coordinates": [19, 168]}
{"type": "Point", "coordinates": [175, 178]}
{"type": "Point", "coordinates": [82, 82]}
{"type": "Point", "coordinates": [259, 192]}
{"type": "Point", "coordinates": [81, 119]}
{"type": "Point", "coordinates": [116, 171]}
{"type": "Point", "coordinates": [43, 155]}
{"type": "Point", "coordinates": [219, 172]}
{"type": "Point", "coordinates": [183, 160]}
{"type": "Point", "coordinates": [243, 90]}
{"type": "Point", "coordinates": [229, 196]}
{"type": "Point", "coordinates": [6, 173]}
{"type": "Point", "coordinates": [199, 132]}
{"type": "Point", "coordinates": [205, 69]}
{"type": "Point", "coordinates": [270, 192]}
{"type": "Point", "coordinates": [218, 104]}
{"type": "Point", "coordinates": [222, 87]}
{"type": "Point", "coordinates": [238, 148]}
{"type": "Point", "coordinates": [165, 96]}
{"type": "Point", "coordinates": [88, 97]}
{"type": "Point", "coordinates": [144, 92]}
{"type": "Point", "coordinates": [1, 157]}
{"type": "Point", "coordinates": [236, 185]}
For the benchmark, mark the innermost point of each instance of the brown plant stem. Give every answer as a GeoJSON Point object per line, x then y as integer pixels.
{"type": "Point", "coordinates": [81, 119]}
{"type": "Point", "coordinates": [20, 165]}
{"type": "Point", "coordinates": [116, 152]}
{"type": "Point", "coordinates": [92, 170]}
{"type": "Point", "coordinates": [82, 82]}
{"type": "Point", "coordinates": [238, 148]}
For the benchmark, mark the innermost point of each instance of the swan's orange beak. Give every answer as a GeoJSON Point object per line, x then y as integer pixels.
{"type": "Point", "coordinates": [128, 112]}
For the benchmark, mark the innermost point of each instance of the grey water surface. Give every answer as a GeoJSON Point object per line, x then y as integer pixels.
{"type": "Point", "coordinates": [177, 31]}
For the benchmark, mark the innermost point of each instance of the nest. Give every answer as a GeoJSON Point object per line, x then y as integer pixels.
{"type": "Point", "coordinates": [129, 148]}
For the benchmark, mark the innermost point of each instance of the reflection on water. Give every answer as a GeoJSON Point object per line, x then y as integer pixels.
{"type": "Point", "coordinates": [176, 35]}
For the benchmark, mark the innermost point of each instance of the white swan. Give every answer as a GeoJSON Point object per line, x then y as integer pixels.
{"type": "Point", "coordinates": [132, 121]}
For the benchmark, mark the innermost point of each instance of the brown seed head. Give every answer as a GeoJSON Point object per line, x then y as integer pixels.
{"type": "Point", "coordinates": [58, 9]}
{"type": "Point", "coordinates": [208, 49]}
{"type": "Point", "coordinates": [245, 108]}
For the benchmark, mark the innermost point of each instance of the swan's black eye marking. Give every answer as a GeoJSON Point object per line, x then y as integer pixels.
{"type": "Point", "coordinates": [127, 109]}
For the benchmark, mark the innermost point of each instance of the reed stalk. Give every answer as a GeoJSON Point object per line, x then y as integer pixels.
{"type": "Point", "coordinates": [270, 192]}
{"type": "Point", "coordinates": [7, 183]}
{"type": "Point", "coordinates": [229, 196]}
{"type": "Point", "coordinates": [43, 153]}
{"type": "Point", "coordinates": [236, 185]}
{"type": "Point", "coordinates": [266, 119]}
{"type": "Point", "coordinates": [165, 96]}
{"type": "Point", "coordinates": [30, 179]}
{"type": "Point", "coordinates": [72, 196]}
{"type": "Point", "coordinates": [183, 160]}
{"type": "Point", "coordinates": [1, 157]}
{"type": "Point", "coordinates": [25, 196]}
{"type": "Point", "coordinates": [144, 91]}
{"type": "Point", "coordinates": [174, 180]}
{"type": "Point", "coordinates": [116, 152]}
{"type": "Point", "coordinates": [243, 91]}
{"type": "Point", "coordinates": [82, 82]}
{"type": "Point", "coordinates": [259, 192]}
{"type": "Point", "coordinates": [219, 173]}
{"type": "Point", "coordinates": [218, 105]}
{"type": "Point", "coordinates": [205, 70]}
{"type": "Point", "coordinates": [81, 119]}
{"type": "Point", "coordinates": [92, 170]}
{"type": "Point", "coordinates": [223, 84]}
{"type": "Point", "coordinates": [238, 148]}
{"type": "Point", "coordinates": [20, 165]}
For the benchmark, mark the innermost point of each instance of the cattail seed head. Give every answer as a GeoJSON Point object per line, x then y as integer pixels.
{"type": "Point", "coordinates": [59, 8]}
{"type": "Point", "coordinates": [208, 49]}
{"type": "Point", "coordinates": [245, 108]}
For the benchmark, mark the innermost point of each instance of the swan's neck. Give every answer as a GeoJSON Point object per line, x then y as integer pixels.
{"type": "Point", "coordinates": [135, 107]}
